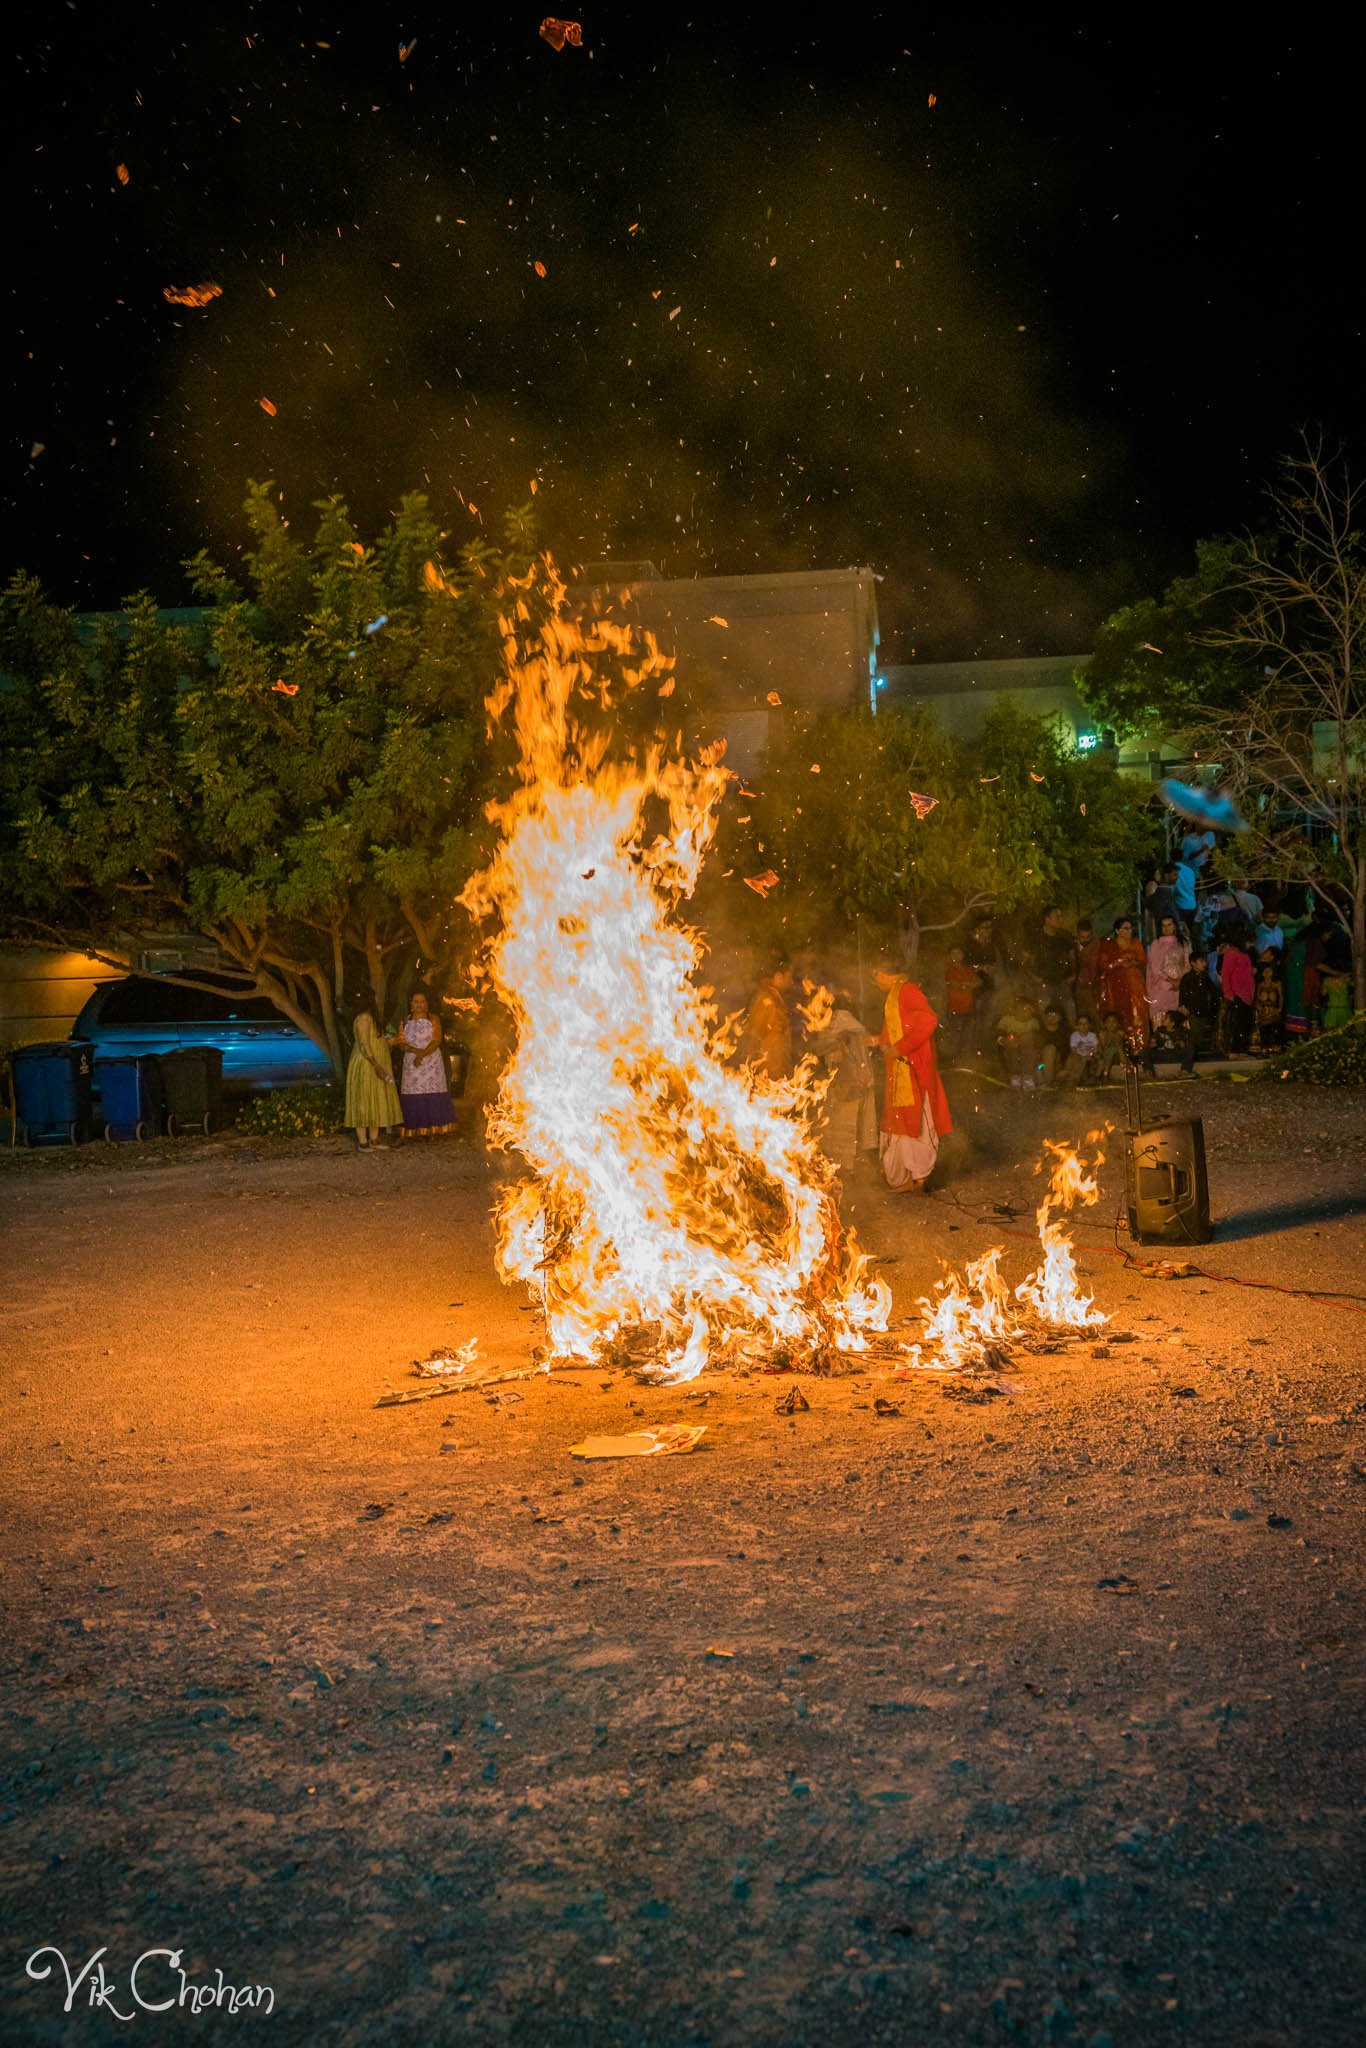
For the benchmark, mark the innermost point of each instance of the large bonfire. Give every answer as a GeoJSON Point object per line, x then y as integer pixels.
{"type": "Point", "coordinates": [677, 1210]}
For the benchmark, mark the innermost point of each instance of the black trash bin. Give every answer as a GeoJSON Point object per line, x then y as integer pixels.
{"type": "Point", "coordinates": [193, 1082]}
{"type": "Point", "coordinates": [52, 1090]}
{"type": "Point", "coordinates": [130, 1096]}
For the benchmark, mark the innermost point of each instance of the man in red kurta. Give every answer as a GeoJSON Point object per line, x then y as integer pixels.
{"type": "Point", "coordinates": [915, 1113]}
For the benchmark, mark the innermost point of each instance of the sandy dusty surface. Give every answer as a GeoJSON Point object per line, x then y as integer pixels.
{"type": "Point", "coordinates": [1038, 1720]}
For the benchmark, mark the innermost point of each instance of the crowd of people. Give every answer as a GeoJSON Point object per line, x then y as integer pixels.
{"type": "Point", "coordinates": [1205, 970]}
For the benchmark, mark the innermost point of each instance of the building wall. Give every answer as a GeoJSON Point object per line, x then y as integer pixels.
{"type": "Point", "coordinates": [963, 693]}
{"type": "Point", "coordinates": [41, 993]}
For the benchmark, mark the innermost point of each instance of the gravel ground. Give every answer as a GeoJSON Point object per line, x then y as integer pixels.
{"type": "Point", "coordinates": [1030, 1721]}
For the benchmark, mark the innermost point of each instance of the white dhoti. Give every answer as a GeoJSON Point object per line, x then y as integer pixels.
{"type": "Point", "coordinates": [905, 1159]}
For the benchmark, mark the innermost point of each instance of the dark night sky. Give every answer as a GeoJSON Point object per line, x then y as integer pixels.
{"type": "Point", "coordinates": [1016, 349]}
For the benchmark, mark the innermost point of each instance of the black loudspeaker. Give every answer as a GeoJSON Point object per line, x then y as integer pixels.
{"type": "Point", "coordinates": [1167, 1184]}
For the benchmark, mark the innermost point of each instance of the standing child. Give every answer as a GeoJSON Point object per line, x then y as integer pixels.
{"type": "Point", "coordinates": [1337, 999]}
{"type": "Point", "coordinates": [1200, 1001]}
{"type": "Point", "coordinates": [961, 986]}
{"type": "Point", "coordinates": [850, 1110]}
{"type": "Point", "coordinates": [1268, 1029]}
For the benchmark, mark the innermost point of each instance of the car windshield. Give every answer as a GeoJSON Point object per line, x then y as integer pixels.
{"type": "Point", "coordinates": [143, 999]}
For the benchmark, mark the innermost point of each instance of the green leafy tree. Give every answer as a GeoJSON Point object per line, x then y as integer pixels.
{"type": "Point", "coordinates": [300, 778]}
{"type": "Point", "coordinates": [1264, 678]}
{"type": "Point", "coordinates": [1155, 665]}
{"type": "Point", "coordinates": [1019, 820]}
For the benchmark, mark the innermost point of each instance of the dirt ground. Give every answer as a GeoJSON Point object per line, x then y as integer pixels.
{"type": "Point", "coordinates": [1033, 1720]}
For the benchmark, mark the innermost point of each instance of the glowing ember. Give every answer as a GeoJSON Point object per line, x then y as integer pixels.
{"type": "Point", "coordinates": [677, 1207]}
{"type": "Point", "coordinates": [818, 1008]}
{"type": "Point", "coordinates": [1051, 1290]}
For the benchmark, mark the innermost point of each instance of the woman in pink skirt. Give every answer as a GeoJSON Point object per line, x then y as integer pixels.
{"type": "Point", "coordinates": [427, 1106]}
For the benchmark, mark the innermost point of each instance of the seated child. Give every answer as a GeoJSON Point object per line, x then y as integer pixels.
{"type": "Point", "coordinates": [1083, 1048]}
{"type": "Point", "coordinates": [1017, 1039]}
{"type": "Point", "coordinates": [1172, 1040]}
{"type": "Point", "coordinates": [1111, 1049]}
{"type": "Point", "coordinates": [1053, 1044]}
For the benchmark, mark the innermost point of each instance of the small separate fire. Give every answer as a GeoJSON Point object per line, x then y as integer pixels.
{"type": "Point", "coordinates": [677, 1211]}
{"type": "Point", "coordinates": [1052, 1291]}
{"type": "Point", "coordinates": [971, 1322]}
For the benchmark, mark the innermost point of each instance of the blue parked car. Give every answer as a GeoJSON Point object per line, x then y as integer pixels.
{"type": "Point", "coordinates": [144, 1014]}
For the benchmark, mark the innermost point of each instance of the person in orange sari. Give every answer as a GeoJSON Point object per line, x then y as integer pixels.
{"type": "Point", "coordinates": [767, 1041]}
{"type": "Point", "coordinates": [915, 1110]}
{"type": "Point", "coordinates": [1121, 981]}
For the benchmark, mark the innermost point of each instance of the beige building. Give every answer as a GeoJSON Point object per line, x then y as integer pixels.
{"type": "Point", "coordinates": [962, 693]}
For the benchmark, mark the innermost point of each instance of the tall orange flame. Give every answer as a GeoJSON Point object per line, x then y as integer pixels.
{"type": "Point", "coordinates": [1051, 1290]}
{"type": "Point", "coordinates": [675, 1205]}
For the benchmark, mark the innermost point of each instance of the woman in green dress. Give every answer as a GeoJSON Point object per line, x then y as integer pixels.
{"type": "Point", "coordinates": [372, 1104]}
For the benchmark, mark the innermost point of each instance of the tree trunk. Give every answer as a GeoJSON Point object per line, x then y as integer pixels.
{"type": "Point", "coordinates": [1359, 937]}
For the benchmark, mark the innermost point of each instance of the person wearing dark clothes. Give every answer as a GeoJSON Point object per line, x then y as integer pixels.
{"type": "Point", "coordinates": [1199, 998]}
{"type": "Point", "coordinates": [984, 953]}
{"type": "Point", "coordinates": [1055, 955]}
{"type": "Point", "coordinates": [1171, 1041]}
{"type": "Point", "coordinates": [1052, 1043]}
{"type": "Point", "coordinates": [1159, 900]}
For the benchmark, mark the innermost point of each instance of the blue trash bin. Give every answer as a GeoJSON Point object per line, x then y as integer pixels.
{"type": "Point", "coordinates": [130, 1097]}
{"type": "Point", "coordinates": [52, 1091]}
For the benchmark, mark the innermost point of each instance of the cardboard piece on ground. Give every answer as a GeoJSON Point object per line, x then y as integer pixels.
{"type": "Point", "coordinates": [644, 1443]}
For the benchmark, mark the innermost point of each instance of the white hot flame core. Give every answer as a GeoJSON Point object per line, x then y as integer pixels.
{"type": "Point", "coordinates": [672, 1195]}
{"type": "Point", "coordinates": [966, 1318]}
